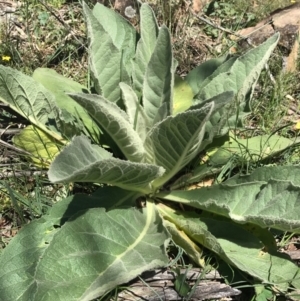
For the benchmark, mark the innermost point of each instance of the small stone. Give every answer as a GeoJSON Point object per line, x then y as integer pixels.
{"type": "Point", "coordinates": [130, 12]}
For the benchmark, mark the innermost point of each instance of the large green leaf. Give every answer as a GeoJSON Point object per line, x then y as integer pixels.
{"type": "Point", "coordinates": [110, 248]}
{"type": "Point", "coordinates": [115, 122]}
{"type": "Point", "coordinates": [122, 34]}
{"type": "Point", "coordinates": [105, 59]}
{"type": "Point", "coordinates": [158, 81]}
{"type": "Point", "coordinates": [81, 161]}
{"type": "Point", "coordinates": [88, 255]}
{"type": "Point", "coordinates": [272, 202]}
{"type": "Point", "coordinates": [175, 141]}
{"type": "Point", "coordinates": [236, 246]}
{"type": "Point", "coordinates": [145, 46]}
{"type": "Point", "coordinates": [119, 29]}
{"type": "Point", "coordinates": [17, 264]}
{"type": "Point", "coordinates": [29, 99]}
{"type": "Point", "coordinates": [59, 86]}
{"type": "Point", "coordinates": [243, 74]}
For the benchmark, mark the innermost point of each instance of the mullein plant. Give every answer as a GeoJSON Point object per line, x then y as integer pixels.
{"type": "Point", "coordinates": [135, 135]}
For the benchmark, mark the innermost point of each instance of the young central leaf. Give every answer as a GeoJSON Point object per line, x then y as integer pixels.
{"type": "Point", "coordinates": [158, 79]}
{"type": "Point", "coordinates": [145, 46]}
{"type": "Point", "coordinates": [175, 141]}
{"type": "Point", "coordinates": [135, 111]}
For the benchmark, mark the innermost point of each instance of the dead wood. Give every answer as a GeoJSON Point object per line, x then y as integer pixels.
{"type": "Point", "coordinates": [286, 21]}
{"type": "Point", "coordinates": [159, 285]}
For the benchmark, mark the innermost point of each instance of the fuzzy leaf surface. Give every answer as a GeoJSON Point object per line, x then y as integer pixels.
{"type": "Point", "coordinates": [88, 255]}
{"type": "Point", "coordinates": [267, 200]}
{"type": "Point", "coordinates": [30, 99]}
{"type": "Point", "coordinates": [157, 88]}
{"type": "Point", "coordinates": [145, 46]}
{"type": "Point", "coordinates": [135, 111]}
{"type": "Point", "coordinates": [121, 32]}
{"type": "Point", "coordinates": [105, 58]}
{"type": "Point", "coordinates": [81, 161]}
{"type": "Point", "coordinates": [244, 72]}
{"type": "Point", "coordinates": [222, 69]}
{"type": "Point", "coordinates": [59, 86]}
{"type": "Point", "coordinates": [111, 197]}
{"type": "Point", "coordinates": [217, 122]}
{"type": "Point", "coordinates": [176, 140]}
{"type": "Point", "coordinates": [115, 122]}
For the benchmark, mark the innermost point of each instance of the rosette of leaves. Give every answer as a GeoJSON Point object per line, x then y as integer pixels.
{"type": "Point", "coordinates": [119, 54]}
{"type": "Point", "coordinates": [88, 244]}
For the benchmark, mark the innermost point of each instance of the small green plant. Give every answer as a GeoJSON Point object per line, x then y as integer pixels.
{"type": "Point", "coordinates": [230, 14]}
{"type": "Point", "coordinates": [146, 125]}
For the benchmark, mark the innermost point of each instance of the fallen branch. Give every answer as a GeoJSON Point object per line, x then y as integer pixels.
{"type": "Point", "coordinates": [9, 131]}
{"type": "Point", "coordinates": [16, 149]}
{"type": "Point", "coordinates": [158, 285]}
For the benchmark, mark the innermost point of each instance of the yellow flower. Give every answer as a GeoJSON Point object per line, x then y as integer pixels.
{"type": "Point", "coordinates": [6, 58]}
{"type": "Point", "coordinates": [293, 1]}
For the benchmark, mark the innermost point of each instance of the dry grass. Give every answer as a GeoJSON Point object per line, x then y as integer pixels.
{"type": "Point", "coordinates": [52, 34]}
{"type": "Point", "coordinates": [45, 36]}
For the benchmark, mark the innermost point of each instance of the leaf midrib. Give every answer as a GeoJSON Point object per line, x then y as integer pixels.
{"type": "Point", "coordinates": [150, 211]}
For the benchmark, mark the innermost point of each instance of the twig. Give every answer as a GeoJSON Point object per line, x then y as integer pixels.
{"type": "Point", "coordinates": [208, 22]}
{"type": "Point", "coordinates": [9, 131]}
{"type": "Point", "coordinates": [19, 150]}
{"type": "Point", "coordinates": [230, 31]}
